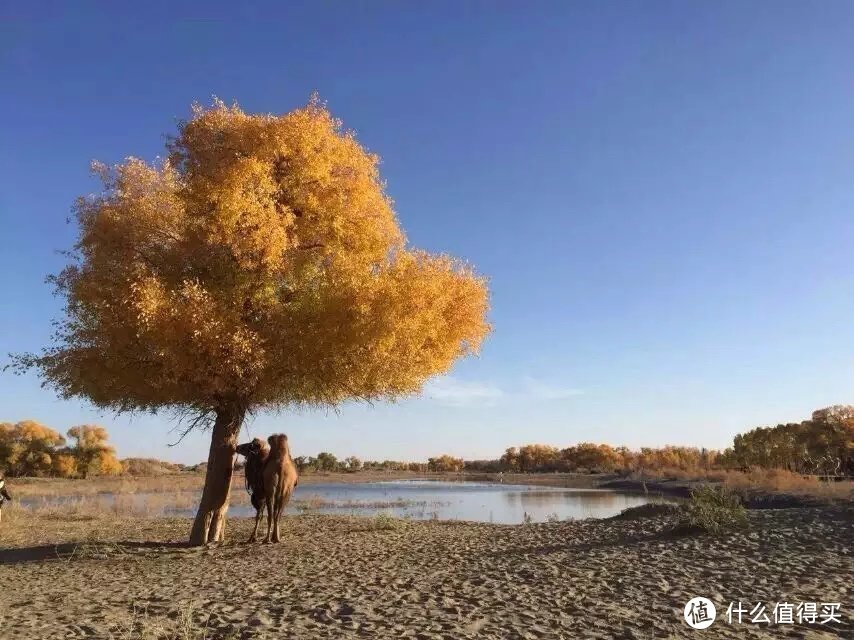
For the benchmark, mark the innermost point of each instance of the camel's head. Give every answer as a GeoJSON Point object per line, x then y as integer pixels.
{"type": "Point", "coordinates": [254, 448]}
{"type": "Point", "coordinates": [279, 444]}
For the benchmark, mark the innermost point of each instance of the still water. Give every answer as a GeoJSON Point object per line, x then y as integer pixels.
{"type": "Point", "coordinates": [416, 499]}
{"type": "Point", "coordinates": [480, 502]}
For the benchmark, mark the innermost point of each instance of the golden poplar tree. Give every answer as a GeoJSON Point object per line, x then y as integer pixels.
{"type": "Point", "coordinates": [27, 448]}
{"type": "Point", "coordinates": [259, 266]}
{"type": "Point", "coordinates": [91, 452]}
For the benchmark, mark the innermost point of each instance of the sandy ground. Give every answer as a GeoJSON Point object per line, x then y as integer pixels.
{"type": "Point", "coordinates": [352, 577]}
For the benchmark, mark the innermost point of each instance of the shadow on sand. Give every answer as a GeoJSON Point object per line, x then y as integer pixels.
{"type": "Point", "coordinates": [69, 550]}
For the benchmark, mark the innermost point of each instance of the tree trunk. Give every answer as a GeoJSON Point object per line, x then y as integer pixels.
{"type": "Point", "coordinates": [209, 524]}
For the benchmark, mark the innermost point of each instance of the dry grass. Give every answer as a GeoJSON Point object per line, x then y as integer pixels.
{"type": "Point", "coordinates": [54, 487]}
{"type": "Point", "coordinates": [315, 502]}
{"type": "Point", "coordinates": [758, 480]}
{"type": "Point", "coordinates": [177, 482]}
{"type": "Point", "coordinates": [189, 624]}
{"type": "Point", "coordinates": [81, 526]}
{"type": "Point", "coordinates": [152, 505]}
{"type": "Point", "coordinates": [121, 505]}
{"type": "Point", "coordinates": [782, 481]}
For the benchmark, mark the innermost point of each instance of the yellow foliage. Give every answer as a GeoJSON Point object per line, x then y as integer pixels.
{"type": "Point", "coordinates": [445, 462]}
{"type": "Point", "coordinates": [26, 447]}
{"type": "Point", "coordinates": [63, 465]}
{"type": "Point", "coordinates": [91, 451]}
{"type": "Point", "coordinates": [109, 465]}
{"type": "Point", "coordinates": [261, 264]}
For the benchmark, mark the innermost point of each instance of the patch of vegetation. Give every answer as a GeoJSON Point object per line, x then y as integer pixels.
{"type": "Point", "coordinates": [715, 510]}
{"type": "Point", "coordinates": [386, 522]}
{"type": "Point", "coordinates": [187, 625]}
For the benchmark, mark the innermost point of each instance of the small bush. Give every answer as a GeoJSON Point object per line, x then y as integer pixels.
{"type": "Point", "coordinates": [715, 510]}
{"type": "Point", "coordinates": [386, 522]}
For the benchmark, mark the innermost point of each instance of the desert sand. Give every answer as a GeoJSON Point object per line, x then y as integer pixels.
{"type": "Point", "coordinates": [340, 577]}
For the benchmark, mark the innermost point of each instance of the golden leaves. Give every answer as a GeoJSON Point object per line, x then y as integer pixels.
{"type": "Point", "coordinates": [33, 449]}
{"type": "Point", "coordinates": [26, 447]}
{"type": "Point", "coordinates": [262, 263]}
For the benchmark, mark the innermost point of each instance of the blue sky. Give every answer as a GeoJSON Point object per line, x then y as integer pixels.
{"type": "Point", "coordinates": [661, 194]}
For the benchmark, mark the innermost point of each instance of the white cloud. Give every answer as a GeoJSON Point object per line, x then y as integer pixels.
{"type": "Point", "coordinates": [458, 393]}
{"type": "Point", "coordinates": [548, 391]}
{"type": "Point", "coordinates": [455, 392]}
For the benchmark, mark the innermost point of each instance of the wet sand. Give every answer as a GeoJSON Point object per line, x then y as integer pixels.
{"type": "Point", "coordinates": [334, 577]}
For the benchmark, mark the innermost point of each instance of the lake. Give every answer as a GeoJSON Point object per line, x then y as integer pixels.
{"type": "Point", "coordinates": [416, 499]}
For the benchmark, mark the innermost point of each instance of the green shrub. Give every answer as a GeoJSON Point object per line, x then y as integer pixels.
{"type": "Point", "coordinates": [715, 510]}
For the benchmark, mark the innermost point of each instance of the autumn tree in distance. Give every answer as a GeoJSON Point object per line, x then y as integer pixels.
{"type": "Point", "coordinates": [260, 266]}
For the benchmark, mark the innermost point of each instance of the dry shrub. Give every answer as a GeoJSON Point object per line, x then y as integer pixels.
{"type": "Point", "coordinates": [150, 467]}
{"type": "Point", "coordinates": [386, 522]}
{"type": "Point", "coordinates": [715, 510]}
{"type": "Point", "coordinates": [189, 624]}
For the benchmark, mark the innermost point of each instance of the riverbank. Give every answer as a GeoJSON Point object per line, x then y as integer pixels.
{"type": "Point", "coordinates": [339, 577]}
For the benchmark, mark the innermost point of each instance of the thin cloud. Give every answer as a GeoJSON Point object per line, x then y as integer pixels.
{"type": "Point", "coordinates": [549, 391]}
{"type": "Point", "coordinates": [454, 392]}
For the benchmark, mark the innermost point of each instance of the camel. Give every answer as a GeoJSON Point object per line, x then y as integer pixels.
{"type": "Point", "coordinates": [256, 454]}
{"type": "Point", "coordinates": [280, 478]}
{"type": "Point", "coordinates": [4, 495]}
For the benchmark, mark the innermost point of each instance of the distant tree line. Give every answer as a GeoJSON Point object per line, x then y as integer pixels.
{"type": "Point", "coordinates": [325, 461]}
{"type": "Point", "coordinates": [602, 458]}
{"type": "Point", "coordinates": [822, 445]}
{"type": "Point", "coordinates": [28, 448]}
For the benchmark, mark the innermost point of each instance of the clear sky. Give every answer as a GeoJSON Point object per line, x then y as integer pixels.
{"type": "Point", "coordinates": [661, 194]}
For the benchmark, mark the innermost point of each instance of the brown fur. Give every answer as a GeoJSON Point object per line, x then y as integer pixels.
{"type": "Point", "coordinates": [280, 478]}
{"type": "Point", "coordinates": [4, 495]}
{"type": "Point", "coordinates": [256, 454]}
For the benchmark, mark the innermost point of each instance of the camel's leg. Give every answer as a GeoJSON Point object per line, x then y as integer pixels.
{"type": "Point", "coordinates": [269, 501]}
{"type": "Point", "coordinates": [286, 497]}
{"type": "Point", "coordinates": [277, 512]}
{"type": "Point", "coordinates": [258, 515]}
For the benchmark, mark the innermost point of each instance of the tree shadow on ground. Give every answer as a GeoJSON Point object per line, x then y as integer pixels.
{"type": "Point", "coordinates": [84, 549]}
